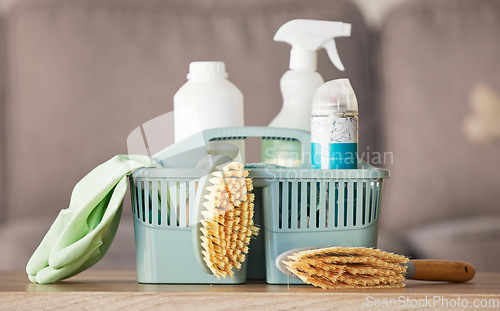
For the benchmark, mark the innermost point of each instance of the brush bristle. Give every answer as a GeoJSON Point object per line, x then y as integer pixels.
{"type": "Point", "coordinates": [348, 267]}
{"type": "Point", "coordinates": [227, 226]}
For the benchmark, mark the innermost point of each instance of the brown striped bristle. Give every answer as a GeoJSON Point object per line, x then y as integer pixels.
{"type": "Point", "coordinates": [227, 226]}
{"type": "Point", "coordinates": [348, 267]}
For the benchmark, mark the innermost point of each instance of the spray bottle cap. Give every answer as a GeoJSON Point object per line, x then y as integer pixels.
{"type": "Point", "coordinates": [336, 96]}
{"type": "Point", "coordinates": [306, 36]}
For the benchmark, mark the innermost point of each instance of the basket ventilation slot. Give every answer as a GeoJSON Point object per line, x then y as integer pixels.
{"type": "Point", "coordinates": [163, 203]}
{"type": "Point", "coordinates": [307, 205]}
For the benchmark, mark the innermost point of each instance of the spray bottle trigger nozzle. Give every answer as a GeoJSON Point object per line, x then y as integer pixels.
{"type": "Point", "coordinates": [331, 49]}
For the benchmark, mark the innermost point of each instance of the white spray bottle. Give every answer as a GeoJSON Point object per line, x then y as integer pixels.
{"type": "Point", "coordinates": [300, 82]}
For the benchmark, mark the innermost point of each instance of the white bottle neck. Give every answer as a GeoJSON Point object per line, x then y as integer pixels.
{"type": "Point", "coordinates": [303, 59]}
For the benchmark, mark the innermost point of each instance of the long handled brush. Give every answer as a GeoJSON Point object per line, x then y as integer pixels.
{"type": "Point", "coordinates": [359, 267]}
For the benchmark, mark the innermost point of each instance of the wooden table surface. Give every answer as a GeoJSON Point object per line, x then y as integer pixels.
{"type": "Point", "coordinates": [119, 290]}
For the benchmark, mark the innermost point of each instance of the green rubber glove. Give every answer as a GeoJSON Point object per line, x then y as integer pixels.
{"type": "Point", "coordinates": [82, 233]}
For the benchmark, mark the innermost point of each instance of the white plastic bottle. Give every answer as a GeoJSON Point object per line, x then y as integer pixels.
{"type": "Point", "coordinates": [208, 100]}
{"type": "Point", "coordinates": [300, 82]}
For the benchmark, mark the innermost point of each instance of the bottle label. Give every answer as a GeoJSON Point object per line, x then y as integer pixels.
{"type": "Point", "coordinates": [334, 142]}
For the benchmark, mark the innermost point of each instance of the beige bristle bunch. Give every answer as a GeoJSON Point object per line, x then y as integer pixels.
{"type": "Point", "coordinates": [228, 226]}
{"type": "Point", "coordinates": [348, 267]}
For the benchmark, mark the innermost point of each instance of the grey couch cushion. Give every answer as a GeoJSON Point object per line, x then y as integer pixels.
{"type": "Point", "coordinates": [83, 74]}
{"type": "Point", "coordinates": [433, 55]}
{"type": "Point", "coordinates": [472, 239]}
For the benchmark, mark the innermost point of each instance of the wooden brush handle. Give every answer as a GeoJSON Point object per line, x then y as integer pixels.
{"type": "Point", "coordinates": [443, 270]}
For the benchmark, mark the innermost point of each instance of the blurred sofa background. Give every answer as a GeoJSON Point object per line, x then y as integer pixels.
{"type": "Point", "coordinates": [77, 76]}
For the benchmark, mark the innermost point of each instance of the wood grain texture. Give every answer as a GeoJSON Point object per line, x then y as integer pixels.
{"type": "Point", "coordinates": [119, 290]}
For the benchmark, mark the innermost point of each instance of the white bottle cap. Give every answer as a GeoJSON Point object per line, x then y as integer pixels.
{"type": "Point", "coordinates": [336, 96]}
{"type": "Point", "coordinates": [207, 70]}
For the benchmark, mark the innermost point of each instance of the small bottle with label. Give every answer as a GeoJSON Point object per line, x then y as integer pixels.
{"type": "Point", "coordinates": [334, 126]}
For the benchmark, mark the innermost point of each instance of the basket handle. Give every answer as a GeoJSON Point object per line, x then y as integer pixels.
{"type": "Point", "coordinates": [264, 132]}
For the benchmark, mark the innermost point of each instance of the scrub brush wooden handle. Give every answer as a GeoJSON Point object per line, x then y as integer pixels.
{"type": "Point", "coordinates": [442, 270]}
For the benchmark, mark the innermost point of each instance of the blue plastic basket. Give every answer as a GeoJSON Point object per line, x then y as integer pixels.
{"type": "Point", "coordinates": [317, 208]}
{"type": "Point", "coordinates": [163, 210]}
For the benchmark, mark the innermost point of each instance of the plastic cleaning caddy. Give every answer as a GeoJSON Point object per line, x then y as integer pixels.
{"type": "Point", "coordinates": [295, 207]}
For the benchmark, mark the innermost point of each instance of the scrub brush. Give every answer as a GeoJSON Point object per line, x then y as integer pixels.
{"type": "Point", "coordinates": [226, 218]}
{"type": "Point", "coordinates": [359, 267]}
